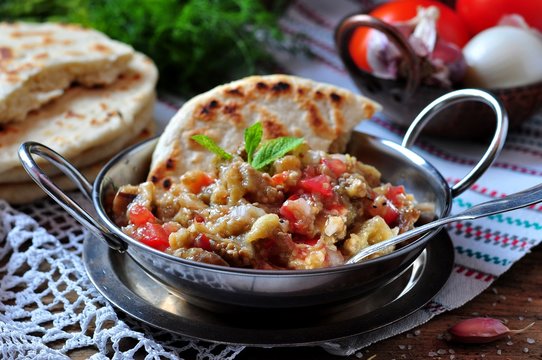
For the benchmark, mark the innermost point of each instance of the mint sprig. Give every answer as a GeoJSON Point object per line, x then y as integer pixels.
{"type": "Point", "coordinates": [253, 136]}
{"type": "Point", "coordinates": [273, 150]}
{"type": "Point", "coordinates": [267, 154]}
{"type": "Point", "coordinates": [210, 145]}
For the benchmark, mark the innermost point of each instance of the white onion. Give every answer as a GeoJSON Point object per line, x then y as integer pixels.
{"type": "Point", "coordinates": [503, 57]}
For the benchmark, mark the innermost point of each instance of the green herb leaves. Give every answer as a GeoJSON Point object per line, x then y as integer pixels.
{"type": "Point", "coordinates": [273, 150]}
{"type": "Point", "coordinates": [253, 136]}
{"type": "Point", "coordinates": [210, 145]}
{"type": "Point", "coordinates": [267, 154]}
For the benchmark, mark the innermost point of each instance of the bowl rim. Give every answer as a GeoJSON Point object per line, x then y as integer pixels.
{"type": "Point", "coordinates": [100, 208]}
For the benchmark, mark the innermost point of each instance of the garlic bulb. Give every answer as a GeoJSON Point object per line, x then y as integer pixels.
{"type": "Point", "coordinates": [503, 57]}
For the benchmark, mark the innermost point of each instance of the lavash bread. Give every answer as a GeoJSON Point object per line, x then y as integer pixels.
{"type": "Point", "coordinates": [102, 151]}
{"type": "Point", "coordinates": [38, 61]}
{"type": "Point", "coordinates": [322, 114]}
{"type": "Point", "coordinates": [26, 192]}
{"type": "Point", "coordinates": [84, 118]}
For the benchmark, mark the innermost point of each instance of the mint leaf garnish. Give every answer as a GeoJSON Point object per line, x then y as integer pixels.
{"type": "Point", "coordinates": [253, 136]}
{"type": "Point", "coordinates": [273, 150]}
{"type": "Point", "coordinates": [210, 145]}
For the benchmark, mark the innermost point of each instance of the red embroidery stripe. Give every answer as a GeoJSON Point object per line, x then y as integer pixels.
{"type": "Point", "coordinates": [469, 272]}
{"type": "Point", "coordinates": [498, 238]}
{"type": "Point", "coordinates": [492, 193]}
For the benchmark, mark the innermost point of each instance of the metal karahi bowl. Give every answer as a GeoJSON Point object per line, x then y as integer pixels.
{"type": "Point", "coordinates": [403, 99]}
{"type": "Point", "coordinates": [225, 289]}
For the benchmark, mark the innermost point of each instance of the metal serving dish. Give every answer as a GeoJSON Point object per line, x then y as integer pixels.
{"type": "Point", "coordinates": [223, 288]}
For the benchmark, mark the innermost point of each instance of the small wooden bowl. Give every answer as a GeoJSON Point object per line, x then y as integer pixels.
{"type": "Point", "coordinates": [404, 99]}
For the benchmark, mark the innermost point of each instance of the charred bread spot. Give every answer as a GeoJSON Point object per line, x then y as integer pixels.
{"type": "Point", "coordinates": [207, 110]}
{"type": "Point", "coordinates": [170, 164]}
{"type": "Point", "coordinates": [6, 129]}
{"type": "Point", "coordinates": [300, 91]}
{"type": "Point", "coordinates": [273, 129]}
{"type": "Point", "coordinates": [154, 179]}
{"type": "Point", "coordinates": [317, 123]}
{"type": "Point", "coordinates": [261, 85]}
{"type": "Point", "coordinates": [281, 86]}
{"type": "Point", "coordinates": [166, 183]}
{"type": "Point", "coordinates": [101, 48]}
{"type": "Point", "coordinates": [336, 98]}
{"type": "Point", "coordinates": [235, 92]}
{"type": "Point", "coordinates": [318, 95]}
{"type": "Point", "coordinates": [231, 111]}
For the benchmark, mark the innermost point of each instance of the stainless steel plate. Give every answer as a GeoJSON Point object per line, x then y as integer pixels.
{"type": "Point", "coordinates": [129, 288]}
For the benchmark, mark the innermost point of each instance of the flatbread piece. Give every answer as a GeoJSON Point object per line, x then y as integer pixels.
{"type": "Point", "coordinates": [285, 105]}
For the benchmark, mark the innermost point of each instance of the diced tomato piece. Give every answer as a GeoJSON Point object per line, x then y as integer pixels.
{"type": "Point", "coordinates": [153, 235]}
{"type": "Point", "coordinates": [390, 216]}
{"type": "Point", "coordinates": [202, 241]}
{"type": "Point", "coordinates": [139, 215]}
{"type": "Point", "coordinates": [337, 167]}
{"type": "Point", "coordinates": [336, 207]}
{"type": "Point", "coordinates": [295, 211]}
{"type": "Point", "coordinates": [197, 183]}
{"type": "Point", "coordinates": [304, 240]}
{"type": "Point", "coordinates": [393, 194]}
{"type": "Point", "coordinates": [199, 219]}
{"type": "Point", "coordinates": [279, 179]}
{"type": "Point", "coordinates": [388, 212]}
{"type": "Point", "coordinates": [317, 185]}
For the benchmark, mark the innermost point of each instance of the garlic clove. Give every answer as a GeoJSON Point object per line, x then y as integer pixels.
{"type": "Point", "coordinates": [481, 330]}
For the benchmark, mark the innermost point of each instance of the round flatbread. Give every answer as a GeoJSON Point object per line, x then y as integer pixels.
{"type": "Point", "coordinates": [84, 118]}
{"type": "Point", "coordinates": [28, 191]}
{"type": "Point", "coordinates": [322, 114]}
{"type": "Point", "coordinates": [94, 154]}
{"type": "Point", "coordinates": [38, 61]}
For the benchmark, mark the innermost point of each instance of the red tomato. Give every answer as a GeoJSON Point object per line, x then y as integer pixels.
{"type": "Point", "coordinates": [305, 240]}
{"type": "Point", "coordinates": [153, 235]}
{"type": "Point", "coordinates": [139, 215]}
{"type": "Point", "coordinates": [336, 166]}
{"type": "Point", "coordinates": [279, 179]}
{"type": "Point", "coordinates": [202, 241]}
{"type": "Point", "coordinates": [317, 185]}
{"type": "Point", "coordinates": [482, 14]}
{"type": "Point", "coordinates": [393, 194]}
{"type": "Point", "coordinates": [200, 181]}
{"type": "Point", "coordinates": [450, 26]}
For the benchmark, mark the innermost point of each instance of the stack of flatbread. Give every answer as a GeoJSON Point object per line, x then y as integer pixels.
{"type": "Point", "coordinates": [74, 90]}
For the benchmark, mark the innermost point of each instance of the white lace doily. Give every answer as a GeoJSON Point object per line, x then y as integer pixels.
{"type": "Point", "coordinates": [49, 309]}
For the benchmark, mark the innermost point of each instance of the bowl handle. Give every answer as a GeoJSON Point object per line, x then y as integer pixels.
{"type": "Point", "coordinates": [343, 34]}
{"type": "Point", "coordinates": [451, 98]}
{"type": "Point", "coordinates": [26, 150]}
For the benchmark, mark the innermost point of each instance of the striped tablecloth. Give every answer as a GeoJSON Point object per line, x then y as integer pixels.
{"type": "Point", "coordinates": [484, 248]}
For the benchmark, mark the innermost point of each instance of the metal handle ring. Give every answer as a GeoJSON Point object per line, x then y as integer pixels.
{"type": "Point", "coordinates": [454, 97]}
{"type": "Point", "coordinates": [26, 150]}
{"type": "Point", "coordinates": [344, 32]}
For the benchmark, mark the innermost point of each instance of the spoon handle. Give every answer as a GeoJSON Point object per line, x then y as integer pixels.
{"type": "Point", "coordinates": [517, 200]}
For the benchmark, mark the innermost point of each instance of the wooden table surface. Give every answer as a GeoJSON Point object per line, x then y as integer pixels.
{"type": "Point", "coordinates": [516, 297]}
